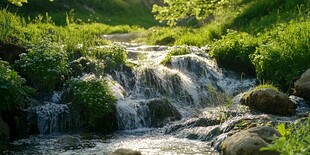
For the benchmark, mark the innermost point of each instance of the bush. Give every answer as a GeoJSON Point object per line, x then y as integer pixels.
{"type": "Point", "coordinates": [178, 50]}
{"type": "Point", "coordinates": [295, 139]}
{"type": "Point", "coordinates": [233, 50]}
{"type": "Point", "coordinates": [286, 54]}
{"type": "Point", "coordinates": [44, 66]}
{"type": "Point", "coordinates": [113, 55]}
{"type": "Point", "coordinates": [86, 65]}
{"type": "Point", "coordinates": [91, 98]}
{"type": "Point", "coordinates": [13, 93]}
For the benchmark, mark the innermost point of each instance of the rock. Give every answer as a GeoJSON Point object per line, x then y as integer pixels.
{"type": "Point", "coordinates": [162, 112]}
{"type": "Point", "coordinates": [69, 141]}
{"type": "Point", "coordinates": [269, 101]}
{"type": "Point", "coordinates": [302, 86]}
{"type": "Point", "coordinates": [10, 52]}
{"type": "Point", "coordinates": [249, 142]}
{"type": "Point", "coordinates": [125, 152]}
{"type": "Point", "coordinates": [4, 132]}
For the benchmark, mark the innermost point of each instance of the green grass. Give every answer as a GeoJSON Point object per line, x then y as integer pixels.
{"type": "Point", "coordinates": [112, 12]}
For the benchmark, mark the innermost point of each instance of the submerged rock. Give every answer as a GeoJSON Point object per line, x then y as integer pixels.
{"type": "Point", "coordinates": [69, 141]}
{"type": "Point", "coordinates": [249, 142]}
{"type": "Point", "coordinates": [302, 86]}
{"type": "Point", "coordinates": [269, 101]}
{"type": "Point", "coordinates": [4, 132]}
{"type": "Point", "coordinates": [125, 152]}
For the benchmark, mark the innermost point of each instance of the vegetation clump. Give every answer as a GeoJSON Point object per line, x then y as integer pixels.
{"type": "Point", "coordinates": [92, 100]}
{"type": "Point", "coordinates": [295, 139]}
{"type": "Point", "coordinates": [14, 94]}
{"type": "Point", "coordinates": [45, 65]}
{"type": "Point", "coordinates": [178, 50]}
{"type": "Point", "coordinates": [113, 55]}
{"type": "Point", "coordinates": [233, 50]}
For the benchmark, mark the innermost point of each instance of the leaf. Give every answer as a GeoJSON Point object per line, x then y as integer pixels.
{"type": "Point", "coordinates": [307, 139]}
{"type": "Point", "coordinates": [281, 129]}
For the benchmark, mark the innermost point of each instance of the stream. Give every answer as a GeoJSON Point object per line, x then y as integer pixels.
{"type": "Point", "coordinates": [176, 109]}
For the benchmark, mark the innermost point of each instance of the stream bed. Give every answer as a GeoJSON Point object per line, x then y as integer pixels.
{"type": "Point", "coordinates": [175, 109]}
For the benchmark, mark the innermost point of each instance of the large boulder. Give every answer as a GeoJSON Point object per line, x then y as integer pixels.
{"type": "Point", "coordinates": [4, 132]}
{"type": "Point", "coordinates": [249, 142]}
{"type": "Point", "coordinates": [302, 86]}
{"type": "Point", "coordinates": [270, 101]}
{"type": "Point", "coordinates": [125, 152]}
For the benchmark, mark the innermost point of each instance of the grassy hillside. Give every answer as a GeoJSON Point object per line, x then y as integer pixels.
{"type": "Point", "coordinates": [112, 12]}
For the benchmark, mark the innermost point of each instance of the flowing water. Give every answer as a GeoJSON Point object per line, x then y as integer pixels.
{"type": "Point", "coordinates": [176, 109]}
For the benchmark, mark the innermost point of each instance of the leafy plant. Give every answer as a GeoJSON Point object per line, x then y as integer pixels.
{"type": "Point", "coordinates": [13, 92]}
{"type": "Point", "coordinates": [91, 97]}
{"type": "Point", "coordinates": [295, 139]}
{"type": "Point", "coordinates": [45, 65]}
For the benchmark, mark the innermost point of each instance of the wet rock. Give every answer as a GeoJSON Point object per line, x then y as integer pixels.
{"type": "Point", "coordinates": [269, 101]}
{"type": "Point", "coordinates": [10, 52]}
{"type": "Point", "coordinates": [69, 141]}
{"type": "Point", "coordinates": [249, 142]}
{"type": "Point", "coordinates": [125, 152]}
{"type": "Point", "coordinates": [162, 112]}
{"type": "Point", "coordinates": [4, 132]}
{"type": "Point", "coordinates": [302, 86]}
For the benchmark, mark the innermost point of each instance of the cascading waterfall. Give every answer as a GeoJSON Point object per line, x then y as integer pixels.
{"type": "Point", "coordinates": [50, 116]}
{"type": "Point", "coordinates": [184, 86]}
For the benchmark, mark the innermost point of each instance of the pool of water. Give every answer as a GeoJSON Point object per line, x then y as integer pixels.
{"type": "Point", "coordinates": [147, 141]}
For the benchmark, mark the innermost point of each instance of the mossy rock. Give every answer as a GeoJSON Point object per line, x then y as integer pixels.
{"type": "Point", "coordinates": [270, 101]}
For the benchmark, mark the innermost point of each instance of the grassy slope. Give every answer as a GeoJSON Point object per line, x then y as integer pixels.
{"type": "Point", "coordinates": [112, 12]}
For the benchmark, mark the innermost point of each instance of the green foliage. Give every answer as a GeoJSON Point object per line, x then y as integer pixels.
{"type": "Point", "coordinates": [18, 2]}
{"type": "Point", "coordinates": [295, 139]}
{"type": "Point", "coordinates": [91, 97]}
{"type": "Point", "coordinates": [45, 65]}
{"type": "Point", "coordinates": [112, 12]}
{"type": "Point", "coordinates": [261, 86]}
{"type": "Point", "coordinates": [13, 93]}
{"type": "Point", "coordinates": [285, 55]}
{"type": "Point", "coordinates": [233, 51]}
{"type": "Point", "coordinates": [86, 65]}
{"type": "Point", "coordinates": [11, 28]}
{"type": "Point", "coordinates": [174, 10]}
{"type": "Point", "coordinates": [113, 55]}
{"type": "Point", "coordinates": [177, 50]}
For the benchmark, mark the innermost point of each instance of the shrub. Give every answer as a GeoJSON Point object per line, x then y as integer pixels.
{"type": "Point", "coordinates": [86, 65]}
{"type": "Point", "coordinates": [113, 55]}
{"type": "Point", "coordinates": [44, 66]}
{"type": "Point", "coordinates": [233, 51]}
{"type": "Point", "coordinates": [178, 50]}
{"type": "Point", "coordinates": [295, 139]}
{"type": "Point", "coordinates": [286, 54]}
{"type": "Point", "coordinates": [13, 93]}
{"type": "Point", "coordinates": [91, 98]}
